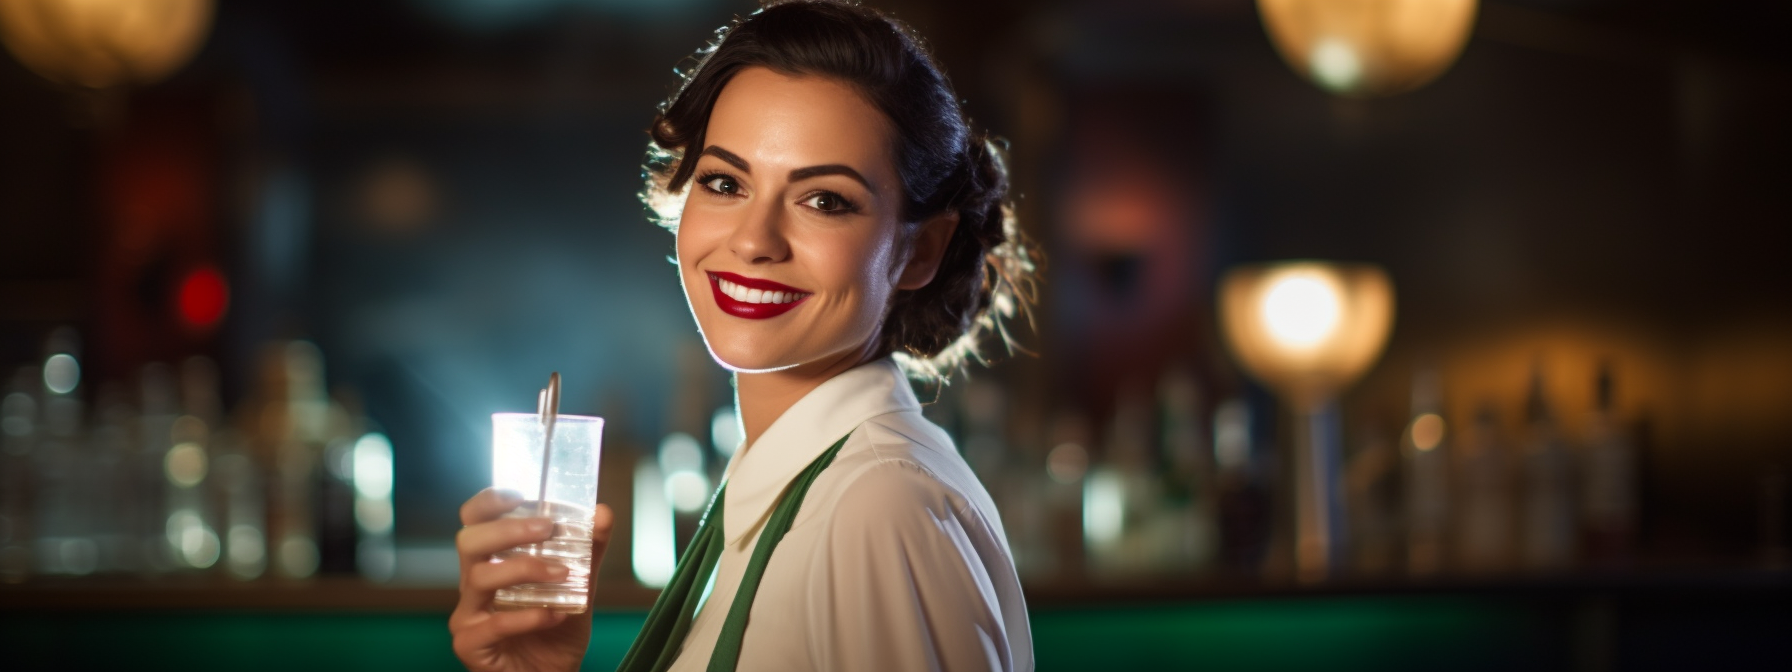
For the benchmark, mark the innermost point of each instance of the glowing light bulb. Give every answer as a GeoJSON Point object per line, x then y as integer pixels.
{"type": "Point", "coordinates": [1301, 310]}
{"type": "Point", "coordinates": [1335, 65]}
{"type": "Point", "coordinates": [1365, 48]}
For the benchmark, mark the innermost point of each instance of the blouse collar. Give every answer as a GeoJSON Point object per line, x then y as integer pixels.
{"type": "Point", "coordinates": [758, 475]}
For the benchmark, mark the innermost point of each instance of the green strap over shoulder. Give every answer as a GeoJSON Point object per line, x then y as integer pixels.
{"type": "Point", "coordinates": [662, 637]}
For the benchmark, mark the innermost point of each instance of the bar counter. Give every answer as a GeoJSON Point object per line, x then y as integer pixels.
{"type": "Point", "coordinates": [1607, 621]}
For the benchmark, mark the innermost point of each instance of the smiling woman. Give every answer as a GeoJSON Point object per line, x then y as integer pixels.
{"type": "Point", "coordinates": [814, 211]}
{"type": "Point", "coordinates": [839, 225]}
{"type": "Point", "coordinates": [942, 185]}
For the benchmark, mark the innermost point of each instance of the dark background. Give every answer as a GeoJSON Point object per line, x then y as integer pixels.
{"type": "Point", "coordinates": [442, 195]}
{"type": "Point", "coordinates": [1593, 180]}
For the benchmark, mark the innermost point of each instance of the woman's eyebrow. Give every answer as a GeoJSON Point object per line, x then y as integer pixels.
{"type": "Point", "coordinates": [730, 157]}
{"type": "Point", "coordinates": [796, 174]}
{"type": "Point", "coordinates": [830, 169]}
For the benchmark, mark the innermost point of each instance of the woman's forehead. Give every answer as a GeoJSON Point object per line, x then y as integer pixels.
{"type": "Point", "coordinates": [781, 122]}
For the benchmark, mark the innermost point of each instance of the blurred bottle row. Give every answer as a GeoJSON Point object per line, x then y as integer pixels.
{"type": "Point", "coordinates": [1486, 499]}
{"type": "Point", "coordinates": [1170, 483]}
{"type": "Point", "coordinates": [155, 479]}
{"type": "Point", "coordinates": [1176, 485]}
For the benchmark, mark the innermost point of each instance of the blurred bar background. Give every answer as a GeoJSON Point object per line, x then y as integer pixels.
{"type": "Point", "coordinates": [257, 306]}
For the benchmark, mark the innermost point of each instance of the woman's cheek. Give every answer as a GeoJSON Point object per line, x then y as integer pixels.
{"type": "Point", "coordinates": [689, 255]}
{"type": "Point", "coordinates": [875, 271]}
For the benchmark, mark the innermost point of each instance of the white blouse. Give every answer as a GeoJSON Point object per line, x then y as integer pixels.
{"type": "Point", "coordinates": [897, 559]}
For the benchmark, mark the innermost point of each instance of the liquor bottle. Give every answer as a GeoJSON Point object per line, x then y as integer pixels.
{"type": "Point", "coordinates": [1372, 502]}
{"type": "Point", "coordinates": [64, 476]}
{"type": "Point", "coordinates": [118, 500]}
{"type": "Point", "coordinates": [1192, 498]}
{"type": "Point", "coordinates": [1122, 496]}
{"type": "Point", "coordinates": [1484, 503]}
{"type": "Point", "coordinates": [158, 409]}
{"type": "Point", "coordinates": [192, 532]}
{"type": "Point", "coordinates": [1028, 513]}
{"type": "Point", "coordinates": [286, 420]}
{"type": "Point", "coordinates": [19, 427]}
{"type": "Point", "coordinates": [1547, 521]}
{"type": "Point", "coordinates": [985, 415]}
{"type": "Point", "coordinates": [1067, 466]}
{"type": "Point", "coordinates": [1425, 457]}
{"type": "Point", "coordinates": [243, 503]}
{"type": "Point", "coordinates": [1609, 487]}
{"type": "Point", "coordinates": [1244, 505]}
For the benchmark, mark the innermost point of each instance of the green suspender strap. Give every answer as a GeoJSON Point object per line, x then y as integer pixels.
{"type": "Point", "coordinates": [667, 624]}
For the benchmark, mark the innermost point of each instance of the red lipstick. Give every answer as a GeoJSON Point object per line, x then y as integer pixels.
{"type": "Point", "coordinates": [749, 310]}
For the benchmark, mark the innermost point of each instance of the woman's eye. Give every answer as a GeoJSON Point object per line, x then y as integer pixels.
{"type": "Point", "coordinates": [829, 202]}
{"type": "Point", "coordinates": [722, 184]}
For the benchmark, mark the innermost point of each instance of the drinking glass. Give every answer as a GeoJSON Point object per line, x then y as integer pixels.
{"type": "Point", "coordinates": [567, 495]}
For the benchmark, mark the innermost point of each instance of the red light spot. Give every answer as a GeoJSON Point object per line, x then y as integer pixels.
{"type": "Point", "coordinates": [203, 297]}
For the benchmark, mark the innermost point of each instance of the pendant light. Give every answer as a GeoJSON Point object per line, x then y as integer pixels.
{"type": "Point", "coordinates": [101, 44]}
{"type": "Point", "coordinates": [1307, 330]}
{"type": "Point", "coordinates": [1368, 48]}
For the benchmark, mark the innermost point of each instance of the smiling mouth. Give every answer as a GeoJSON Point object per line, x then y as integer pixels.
{"type": "Point", "coordinates": [753, 298]}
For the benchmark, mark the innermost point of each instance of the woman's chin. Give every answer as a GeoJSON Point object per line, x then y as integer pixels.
{"type": "Point", "coordinates": [748, 360]}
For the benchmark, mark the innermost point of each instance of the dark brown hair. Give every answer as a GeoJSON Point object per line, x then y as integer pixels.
{"type": "Point", "coordinates": [986, 274]}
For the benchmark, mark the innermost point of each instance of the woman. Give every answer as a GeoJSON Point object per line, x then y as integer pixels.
{"type": "Point", "coordinates": [837, 224]}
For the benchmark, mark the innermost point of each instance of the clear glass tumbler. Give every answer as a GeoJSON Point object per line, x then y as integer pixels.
{"type": "Point", "coordinates": [570, 497]}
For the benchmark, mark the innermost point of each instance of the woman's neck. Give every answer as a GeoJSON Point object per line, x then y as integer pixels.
{"type": "Point", "coordinates": [762, 398]}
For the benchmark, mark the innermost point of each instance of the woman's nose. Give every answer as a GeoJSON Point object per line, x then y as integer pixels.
{"type": "Point", "coordinates": [759, 238]}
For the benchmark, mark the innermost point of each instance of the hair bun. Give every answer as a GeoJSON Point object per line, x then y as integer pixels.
{"type": "Point", "coordinates": [989, 259]}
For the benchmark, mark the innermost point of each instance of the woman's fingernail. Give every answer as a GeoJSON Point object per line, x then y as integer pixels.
{"type": "Point", "coordinates": [557, 572]}
{"type": "Point", "coordinates": [541, 525]}
{"type": "Point", "coordinates": [509, 496]}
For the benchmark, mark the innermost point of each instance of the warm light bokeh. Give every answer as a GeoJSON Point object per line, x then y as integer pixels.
{"type": "Point", "coordinates": [1306, 329]}
{"type": "Point", "coordinates": [1369, 47]}
{"type": "Point", "coordinates": [104, 43]}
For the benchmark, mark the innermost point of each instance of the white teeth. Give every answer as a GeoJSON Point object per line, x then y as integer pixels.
{"type": "Point", "coordinates": [744, 295]}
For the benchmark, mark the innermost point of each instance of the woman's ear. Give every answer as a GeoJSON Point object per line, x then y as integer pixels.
{"type": "Point", "coordinates": [928, 249]}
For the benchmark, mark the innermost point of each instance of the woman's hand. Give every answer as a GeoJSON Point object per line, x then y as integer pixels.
{"type": "Point", "coordinates": [529, 639]}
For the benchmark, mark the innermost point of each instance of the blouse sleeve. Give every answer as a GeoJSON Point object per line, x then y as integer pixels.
{"type": "Point", "coordinates": [902, 583]}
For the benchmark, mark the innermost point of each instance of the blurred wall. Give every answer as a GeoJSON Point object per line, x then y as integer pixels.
{"type": "Point", "coordinates": [441, 194]}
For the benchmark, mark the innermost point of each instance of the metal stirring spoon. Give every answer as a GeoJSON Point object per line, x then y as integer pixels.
{"type": "Point", "coordinates": [550, 413]}
{"type": "Point", "coordinates": [548, 408]}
